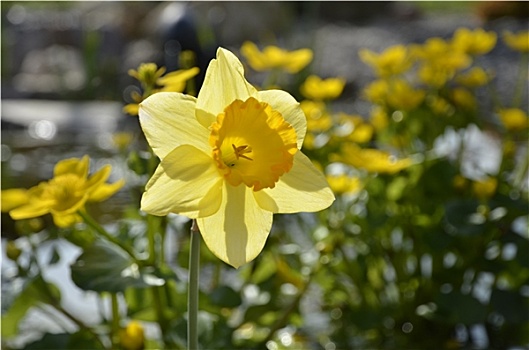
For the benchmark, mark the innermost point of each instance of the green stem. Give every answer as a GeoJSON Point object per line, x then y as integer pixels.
{"type": "Point", "coordinates": [115, 321]}
{"type": "Point", "coordinates": [152, 228]}
{"type": "Point", "coordinates": [192, 297]}
{"type": "Point", "coordinates": [99, 229]}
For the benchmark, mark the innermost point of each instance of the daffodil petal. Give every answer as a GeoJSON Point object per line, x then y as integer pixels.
{"type": "Point", "coordinates": [223, 84]}
{"type": "Point", "coordinates": [104, 191]}
{"type": "Point", "coordinates": [75, 166]}
{"type": "Point", "coordinates": [168, 121]}
{"type": "Point", "coordinates": [186, 182]}
{"type": "Point", "coordinates": [237, 232]}
{"type": "Point", "coordinates": [289, 108]}
{"type": "Point", "coordinates": [302, 189]}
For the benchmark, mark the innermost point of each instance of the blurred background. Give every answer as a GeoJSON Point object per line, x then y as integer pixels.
{"type": "Point", "coordinates": [64, 76]}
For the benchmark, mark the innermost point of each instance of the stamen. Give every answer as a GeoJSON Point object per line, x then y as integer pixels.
{"type": "Point", "coordinates": [241, 150]}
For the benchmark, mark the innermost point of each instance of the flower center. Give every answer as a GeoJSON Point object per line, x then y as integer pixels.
{"type": "Point", "coordinates": [65, 190]}
{"type": "Point", "coordinates": [252, 144]}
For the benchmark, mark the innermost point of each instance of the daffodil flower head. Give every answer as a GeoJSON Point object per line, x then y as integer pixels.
{"type": "Point", "coordinates": [67, 192]}
{"type": "Point", "coordinates": [230, 158]}
{"type": "Point", "coordinates": [273, 57]}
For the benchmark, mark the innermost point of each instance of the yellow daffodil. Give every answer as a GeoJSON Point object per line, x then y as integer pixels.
{"type": "Point", "coordinates": [67, 192]}
{"type": "Point", "coordinates": [176, 81]}
{"type": "Point", "coordinates": [474, 77]}
{"type": "Point", "coordinates": [517, 41]}
{"type": "Point", "coordinates": [273, 57]}
{"type": "Point", "coordinates": [474, 42]}
{"type": "Point", "coordinates": [392, 61]}
{"type": "Point", "coordinates": [514, 119]}
{"type": "Point", "coordinates": [319, 89]}
{"type": "Point", "coordinates": [344, 184]}
{"type": "Point", "coordinates": [230, 158]}
{"type": "Point", "coordinates": [485, 188]}
{"type": "Point", "coordinates": [318, 119]}
{"type": "Point", "coordinates": [372, 160]}
{"type": "Point", "coordinates": [132, 337]}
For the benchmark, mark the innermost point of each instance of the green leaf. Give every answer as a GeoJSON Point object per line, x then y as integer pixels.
{"type": "Point", "coordinates": [459, 217]}
{"type": "Point", "coordinates": [510, 304]}
{"type": "Point", "coordinates": [225, 296]}
{"type": "Point", "coordinates": [106, 268]}
{"type": "Point", "coordinates": [456, 307]}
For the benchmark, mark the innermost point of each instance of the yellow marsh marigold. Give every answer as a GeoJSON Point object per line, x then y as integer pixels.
{"type": "Point", "coordinates": [176, 81]}
{"type": "Point", "coordinates": [474, 42]}
{"type": "Point", "coordinates": [392, 61]}
{"type": "Point", "coordinates": [514, 119]}
{"type": "Point", "coordinates": [379, 118]}
{"type": "Point", "coordinates": [463, 98]}
{"type": "Point", "coordinates": [318, 119]}
{"type": "Point", "coordinates": [344, 184]}
{"type": "Point", "coordinates": [485, 188]}
{"type": "Point", "coordinates": [474, 77]}
{"type": "Point", "coordinates": [132, 337]}
{"type": "Point", "coordinates": [273, 57]}
{"type": "Point", "coordinates": [316, 88]}
{"type": "Point", "coordinates": [67, 192]}
{"type": "Point", "coordinates": [354, 128]}
{"type": "Point", "coordinates": [402, 96]}
{"type": "Point", "coordinates": [372, 160]}
{"type": "Point", "coordinates": [230, 158]}
{"type": "Point", "coordinates": [517, 41]}
{"type": "Point", "coordinates": [14, 198]}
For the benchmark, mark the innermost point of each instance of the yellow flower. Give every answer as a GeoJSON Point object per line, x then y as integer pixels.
{"type": "Point", "coordinates": [372, 160]}
{"type": "Point", "coordinates": [344, 184]}
{"type": "Point", "coordinates": [518, 41]}
{"type": "Point", "coordinates": [475, 77]}
{"type": "Point", "coordinates": [392, 61]}
{"type": "Point", "coordinates": [440, 106]}
{"type": "Point", "coordinates": [132, 337]}
{"type": "Point", "coordinates": [67, 192]}
{"type": "Point", "coordinates": [402, 96]}
{"type": "Point", "coordinates": [273, 57]}
{"type": "Point", "coordinates": [230, 158]}
{"type": "Point", "coordinates": [318, 120]}
{"type": "Point", "coordinates": [147, 73]}
{"type": "Point", "coordinates": [474, 42]}
{"type": "Point", "coordinates": [377, 91]}
{"type": "Point", "coordinates": [358, 131]}
{"type": "Point", "coordinates": [485, 188]}
{"type": "Point", "coordinates": [379, 118]}
{"type": "Point", "coordinates": [322, 89]}
{"type": "Point", "coordinates": [463, 98]}
{"type": "Point", "coordinates": [14, 198]}
{"type": "Point", "coordinates": [514, 119]}
{"type": "Point", "coordinates": [176, 81]}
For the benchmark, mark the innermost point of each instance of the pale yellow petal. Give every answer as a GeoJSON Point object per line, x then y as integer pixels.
{"type": "Point", "coordinates": [237, 233]}
{"type": "Point", "coordinates": [168, 121]}
{"type": "Point", "coordinates": [75, 166]}
{"type": "Point", "coordinates": [223, 84]}
{"type": "Point", "coordinates": [105, 190]}
{"type": "Point", "coordinates": [289, 108]}
{"type": "Point", "coordinates": [186, 182]}
{"type": "Point", "coordinates": [302, 189]}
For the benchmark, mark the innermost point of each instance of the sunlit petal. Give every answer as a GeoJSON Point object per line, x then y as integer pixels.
{"type": "Point", "coordinates": [186, 182]}
{"type": "Point", "coordinates": [75, 166]}
{"type": "Point", "coordinates": [302, 189]}
{"type": "Point", "coordinates": [237, 233]}
{"type": "Point", "coordinates": [168, 121]}
{"type": "Point", "coordinates": [31, 210]}
{"type": "Point", "coordinates": [13, 198]}
{"type": "Point", "coordinates": [104, 191]}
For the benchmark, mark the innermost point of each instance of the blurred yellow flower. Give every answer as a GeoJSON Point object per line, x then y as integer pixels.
{"type": "Point", "coordinates": [67, 192]}
{"type": "Point", "coordinates": [440, 106]}
{"type": "Point", "coordinates": [372, 160]}
{"type": "Point", "coordinates": [273, 57]}
{"type": "Point", "coordinates": [122, 140]}
{"type": "Point", "coordinates": [132, 337]}
{"type": "Point", "coordinates": [13, 198]}
{"type": "Point", "coordinates": [377, 91]}
{"type": "Point", "coordinates": [474, 42]}
{"type": "Point", "coordinates": [485, 188]}
{"type": "Point", "coordinates": [513, 119]}
{"type": "Point", "coordinates": [358, 131]}
{"type": "Point", "coordinates": [230, 158]}
{"type": "Point", "coordinates": [344, 184]}
{"type": "Point", "coordinates": [463, 98]}
{"type": "Point", "coordinates": [474, 77]}
{"type": "Point", "coordinates": [459, 182]}
{"type": "Point", "coordinates": [518, 41]}
{"type": "Point", "coordinates": [402, 96]}
{"type": "Point", "coordinates": [318, 119]}
{"type": "Point", "coordinates": [176, 81]}
{"type": "Point", "coordinates": [316, 88]}
{"type": "Point", "coordinates": [379, 118]}
{"type": "Point", "coordinates": [147, 73]}
{"type": "Point", "coordinates": [392, 61]}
